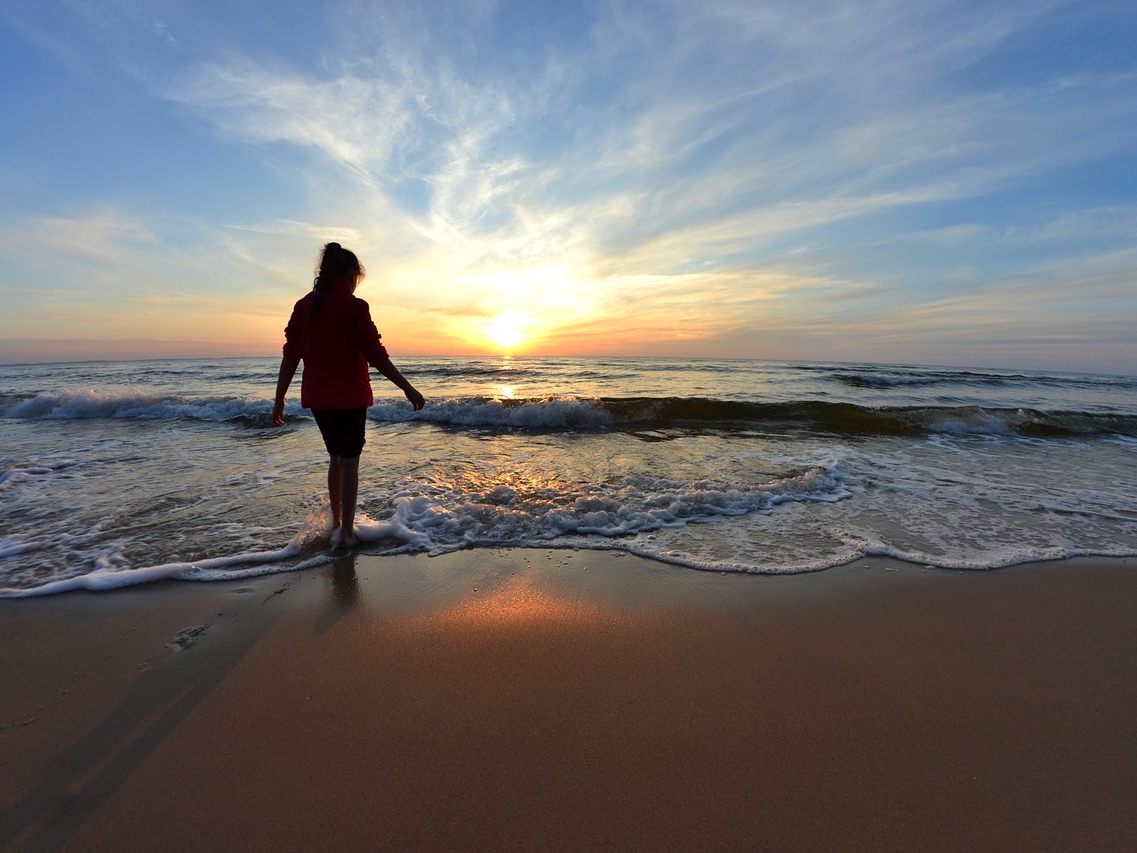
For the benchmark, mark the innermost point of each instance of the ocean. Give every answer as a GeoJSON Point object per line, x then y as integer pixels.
{"type": "Point", "coordinates": [116, 473]}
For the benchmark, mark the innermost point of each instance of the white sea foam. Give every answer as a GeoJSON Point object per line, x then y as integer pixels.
{"type": "Point", "coordinates": [971, 423]}
{"type": "Point", "coordinates": [446, 518]}
{"type": "Point", "coordinates": [105, 578]}
{"type": "Point", "coordinates": [993, 558]}
{"type": "Point", "coordinates": [10, 546]}
{"type": "Point", "coordinates": [43, 470]}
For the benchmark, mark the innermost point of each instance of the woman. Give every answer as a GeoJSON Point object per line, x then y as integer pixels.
{"type": "Point", "coordinates": [332, 332]}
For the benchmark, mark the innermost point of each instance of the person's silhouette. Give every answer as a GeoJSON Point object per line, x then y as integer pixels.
{"type": "Point", "coordinates": [331, 331]}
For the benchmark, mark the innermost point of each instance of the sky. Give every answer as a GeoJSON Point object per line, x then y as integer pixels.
{"type": "Point", "coordinates": [886, 181]}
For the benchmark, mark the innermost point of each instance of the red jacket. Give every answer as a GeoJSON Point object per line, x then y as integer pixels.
{"type": "Point", "coordinates": [336, 343]}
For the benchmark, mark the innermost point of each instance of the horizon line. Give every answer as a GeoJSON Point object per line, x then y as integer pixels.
{"type": "Point", "coordinates": [1097, 371]}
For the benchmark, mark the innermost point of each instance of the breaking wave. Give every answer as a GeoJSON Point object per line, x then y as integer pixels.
{"type": "Point", "coordinates": [629, 414]}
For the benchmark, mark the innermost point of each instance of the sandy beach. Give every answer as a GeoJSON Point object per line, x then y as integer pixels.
{"type": "Point", "coordinates": [576, 700]}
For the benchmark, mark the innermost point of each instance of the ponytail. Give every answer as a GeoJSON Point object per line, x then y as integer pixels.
{"type": "Point", "coordinates": [336, 264]}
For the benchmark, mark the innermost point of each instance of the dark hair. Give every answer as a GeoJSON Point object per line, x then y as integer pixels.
{"type": "Point", "coordinates": [336, 264]}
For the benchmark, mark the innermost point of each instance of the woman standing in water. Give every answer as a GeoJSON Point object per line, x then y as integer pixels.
{"type": "Point", "coordinates": [332, 333]}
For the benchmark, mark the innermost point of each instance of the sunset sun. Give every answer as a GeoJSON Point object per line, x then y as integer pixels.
{"type": "Point", "coordinates": [506, 331]}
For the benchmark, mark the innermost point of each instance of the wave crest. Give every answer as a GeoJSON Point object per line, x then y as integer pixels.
{"type": "Point", "coordinates": [601, 414]}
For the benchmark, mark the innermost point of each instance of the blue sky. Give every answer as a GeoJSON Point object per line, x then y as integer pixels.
{"type": "Point", "coordinates": [878, 181]}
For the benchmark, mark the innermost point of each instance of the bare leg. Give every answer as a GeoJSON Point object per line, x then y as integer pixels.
{"type": "Point", "coordinates": [349, 490]}
{"type": "Point", "coordinates": [334, 489]}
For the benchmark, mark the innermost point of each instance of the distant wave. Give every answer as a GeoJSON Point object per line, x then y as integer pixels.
{"type": "Point", "coordinates": [901, 380]}
{"type": "Point", "coordinates": [905, 378]}
{"type": "Point", "coordinates": [475, 371]}
{"type": "Point", "coordinates": [852, 419]}
{"type": "Point", "coordinates": [600, 414]}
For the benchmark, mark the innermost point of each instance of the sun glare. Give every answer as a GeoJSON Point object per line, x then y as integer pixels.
{"type": "Point", "coordinates": [506, 331]}
{"type": "Point", "coordinates": [514, 311]}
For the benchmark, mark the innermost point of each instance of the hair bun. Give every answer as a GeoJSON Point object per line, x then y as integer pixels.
{"type": "Point", "coordinates": [332, 247]}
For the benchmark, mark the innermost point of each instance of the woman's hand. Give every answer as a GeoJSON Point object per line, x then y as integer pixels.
{"type": "Point", "coordinates": [416, 399]}
{"type": "Point", "coordinates": [278, 413]}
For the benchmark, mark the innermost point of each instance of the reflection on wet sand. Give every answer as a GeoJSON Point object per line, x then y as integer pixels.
{"type": "Point", "coordinates": [519, 602]}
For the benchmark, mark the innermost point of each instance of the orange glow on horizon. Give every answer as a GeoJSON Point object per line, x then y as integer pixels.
{"type": "Point", "coordinates": [517, 309]}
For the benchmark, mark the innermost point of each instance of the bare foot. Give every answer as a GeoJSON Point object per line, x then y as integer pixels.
{"type": "Point", "coordinates": [348, 539]}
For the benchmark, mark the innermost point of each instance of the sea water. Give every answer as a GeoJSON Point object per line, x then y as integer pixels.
{"type": "Point", "coordinates": [114, 473]}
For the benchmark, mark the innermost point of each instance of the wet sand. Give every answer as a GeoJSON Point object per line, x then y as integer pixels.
{"type": "Point", "coordinates": [576, 700]}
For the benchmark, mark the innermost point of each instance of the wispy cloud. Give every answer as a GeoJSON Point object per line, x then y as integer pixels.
{"type": "Point", "coordinates": [725, 146]}
{"type": "Point", "coordinates": [108, 237]}
{"type": "Point", "coordinates": [707, 168]}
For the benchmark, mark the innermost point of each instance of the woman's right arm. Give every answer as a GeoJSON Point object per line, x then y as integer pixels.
{"type": "Point", "coordinates": [288, 362]}
{"type": "Point", "coordinates": [283, 380]}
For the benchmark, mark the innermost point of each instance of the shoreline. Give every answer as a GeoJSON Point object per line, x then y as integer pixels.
{"type": "Point", "coordinates": [571, 699]}
{"type": "Point", "coordinates": [105, 581]}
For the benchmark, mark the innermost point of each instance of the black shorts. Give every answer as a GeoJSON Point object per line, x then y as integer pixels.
{"type": "Point", "coordinates": [342, 430]}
